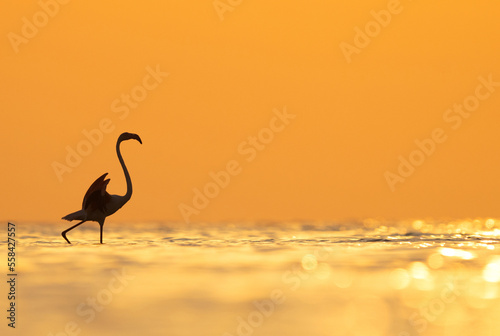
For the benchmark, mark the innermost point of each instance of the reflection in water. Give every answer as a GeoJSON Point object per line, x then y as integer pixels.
{"type": "Point", "coordinates": [370, 278]}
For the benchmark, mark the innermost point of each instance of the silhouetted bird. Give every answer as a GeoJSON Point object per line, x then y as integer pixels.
{"type": "Point", "coordinates": [97, 202]}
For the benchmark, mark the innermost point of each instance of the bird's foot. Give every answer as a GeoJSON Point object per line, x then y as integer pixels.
{"type": "Point", "coordinates": [64, 236]}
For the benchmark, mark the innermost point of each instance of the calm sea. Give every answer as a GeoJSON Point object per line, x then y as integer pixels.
{"type": "Point", "coordinates": [369, 278]}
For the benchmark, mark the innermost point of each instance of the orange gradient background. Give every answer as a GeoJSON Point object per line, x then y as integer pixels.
{"type": "Point", "coordinates": [353, 120]}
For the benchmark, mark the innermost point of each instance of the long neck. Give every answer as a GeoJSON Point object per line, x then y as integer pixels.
{"type": "Point", "coordinates": [125, 171]}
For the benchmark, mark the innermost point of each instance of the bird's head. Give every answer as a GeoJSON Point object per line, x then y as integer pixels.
{"type": "Point", "coordinates": [127, 136]}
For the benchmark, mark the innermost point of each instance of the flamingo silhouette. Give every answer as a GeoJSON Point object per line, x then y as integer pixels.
{"type": "Point", "coordinates": [97, 202]}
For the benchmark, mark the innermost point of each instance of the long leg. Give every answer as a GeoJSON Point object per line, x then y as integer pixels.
{"type": "Point", "coordinates": [71, 228]}
{"type": "Point", "coordinates": [101, 225]}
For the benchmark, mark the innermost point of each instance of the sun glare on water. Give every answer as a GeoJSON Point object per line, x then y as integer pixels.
{"type": "Point", "coordinates": [365, 281]}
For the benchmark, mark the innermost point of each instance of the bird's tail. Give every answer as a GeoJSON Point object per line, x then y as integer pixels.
{"type": "Point", "coordinates": [79, 215]}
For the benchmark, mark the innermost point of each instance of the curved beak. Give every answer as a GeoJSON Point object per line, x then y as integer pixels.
{"type": "Point", "coordinates": [136, 137]}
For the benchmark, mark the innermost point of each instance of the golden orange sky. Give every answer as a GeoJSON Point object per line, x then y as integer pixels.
{"type": "Point", "coordinates": [311, 106]}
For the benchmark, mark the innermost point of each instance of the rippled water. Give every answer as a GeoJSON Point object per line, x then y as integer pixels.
{"type": "Point", "coordinates": [368, 278]}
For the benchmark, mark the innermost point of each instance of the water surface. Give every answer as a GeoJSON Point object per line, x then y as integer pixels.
{"type": "Point", "coordinates": [367, 278]}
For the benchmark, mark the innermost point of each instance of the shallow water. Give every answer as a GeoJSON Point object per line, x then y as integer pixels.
{"type": "Point", "coordinates": [367, 278]}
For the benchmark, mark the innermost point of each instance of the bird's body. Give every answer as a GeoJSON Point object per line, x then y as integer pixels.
{"type": "Point", "coordinates": [97, 202]}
